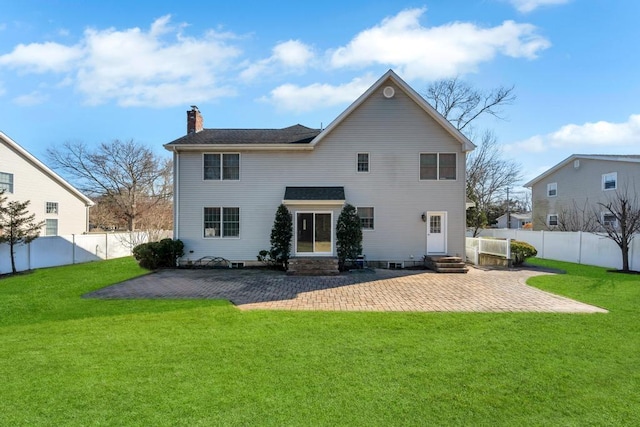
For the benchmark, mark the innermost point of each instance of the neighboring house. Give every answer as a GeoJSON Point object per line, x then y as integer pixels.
{"type": "Point", "coordinates": [566, 196]}
{"type": "Point", "coordinates": [517, 220]}
{"type": "Point", "coordinates": [389, 153]}
{"type": "Point", "coordinates": [64, 209]}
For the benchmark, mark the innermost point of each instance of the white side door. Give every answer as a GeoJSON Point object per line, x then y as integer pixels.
{"type": "Point", "coordinates": [436, 233]}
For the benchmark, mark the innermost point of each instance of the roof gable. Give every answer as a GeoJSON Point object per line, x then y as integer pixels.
{"type": "Point", "coordinates": [630, 158]}
{"type": "Point", "coordinates": [29, 158]}
{"type": "Point", "coordinates": [390, 75]}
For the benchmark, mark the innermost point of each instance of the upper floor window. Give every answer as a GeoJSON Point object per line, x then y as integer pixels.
{"type": "Point", "coordinates": [438, 166]}
{"type": "Point", "coordinates": [552, 220]}
{"type": "Point", "coordinates": [221, 222]}
{"type": "Point", "coordinates": [610, 181]}
{"type": "Point", "coordinates": [51, 208]}
{"type": "Point", "coordinates": [363, 162]}
{"type": "Point", "coordinates": [224, 166]}
{"type": "Point", "coordinates": [6, 182]}
{"type": "Point", "coordinates": [552, 189]}
{"type": "Point", "coordinates": [366, 218]}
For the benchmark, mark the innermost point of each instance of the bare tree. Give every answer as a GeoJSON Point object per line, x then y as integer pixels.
{"type": "Point", "coordinates": [17, 226]}
{"type": "Point", "coordinates": [489, 174]}
{"type": "Point", "coordinates": [461, 104]}
{"type": "Point", "coordinates": [128, 176]}
{"type": "Point", "coordinates": [576, 218]}
{"type": "Point", "coordinates": [621, 220]}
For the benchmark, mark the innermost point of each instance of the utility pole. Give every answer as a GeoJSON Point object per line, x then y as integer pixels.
{"type": "Point", "coordinates": [508, 210]}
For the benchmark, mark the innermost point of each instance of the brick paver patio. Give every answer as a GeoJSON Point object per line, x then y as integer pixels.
{"type": "Point", "coordinates": [370, 290]}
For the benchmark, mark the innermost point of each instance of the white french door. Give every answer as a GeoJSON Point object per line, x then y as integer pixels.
{"type": "Point", "coordinates": [314, 233]}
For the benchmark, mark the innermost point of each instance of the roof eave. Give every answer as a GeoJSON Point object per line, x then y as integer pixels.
{"type": "Point", "coordinates": [238, 147]}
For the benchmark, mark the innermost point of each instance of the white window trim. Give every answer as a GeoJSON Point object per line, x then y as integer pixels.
{"type": "Point", "coordinates": [222, 154]}
{"type": "Point", "coordinates": [10, 184]}
{"type": "Point", "coordinates": [604, 178]}
{"type": "Point", "coordinates": [374, 218]}
{"type": "Point", "coordinates": [549, 220]}
{"type": "Point", "coordinates": [552, 186]}
{"type": "Point", "coordinates": [222, 223]}
{"type": "Point", "coordinates": [57, 208]}
{"type": "Point", "coordinates": [57, 227]}
{"type": "Point", "coordinates": [295, 233]}
{"type": "Point", "coordinates": [368, 162]}
{"type": "Point", "coordinates": [615, 220]}
{"type": "Point", "coordinates": [438, 166]}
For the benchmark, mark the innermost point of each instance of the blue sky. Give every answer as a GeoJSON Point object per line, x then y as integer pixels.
{"type": "Point", "coordinates": [94, 71]}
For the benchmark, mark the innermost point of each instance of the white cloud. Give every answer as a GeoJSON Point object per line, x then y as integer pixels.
{"type": "Point", "coordinates": [300, 99]}
{"type": "Point", "coordinates": [290, 55]}
{"type": "Point", "coordinates": [31, 99]}
{"type": "Point", "coordinates": [42, 57]}
{"type": "Point", "coordinates": [526, 6]}
{"type": "Point", "coordinates": [159, 67]}
{"type": "Point", "coordinates": [588, 136]}
{"type": "Point", "coordinates": [403, 43]}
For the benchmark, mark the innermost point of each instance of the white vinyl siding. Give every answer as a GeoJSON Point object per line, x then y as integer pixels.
{"type": "Point", "coordinates": [438, 166]}
{"type": "Point", "coordinates": [221, 166]}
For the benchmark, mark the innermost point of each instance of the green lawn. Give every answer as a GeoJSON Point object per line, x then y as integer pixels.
{"type": "Point", "coordinates": [72, 361]}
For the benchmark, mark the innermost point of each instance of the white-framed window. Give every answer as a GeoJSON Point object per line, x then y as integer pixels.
{"type": "Point", "coordinates": [362, 162]}
{"type": "Point", "coordinates": [50, 227]}
{"type": "Point", "coordinates": [552, 189]}
{"type": "Point", "coordinates": [51, 208]}
{"type": "Point", "coordinates": [609, 220]}
{"type": "Point", "coordinates": [221, 166]}
{"type": "Point", "coordinates": [552, 220]}
{"type": "Point", "coordinates": [609, 181]}
{"type": "Point", "coordinates": [438, 166]}
{"type": "Point", "coordinates": [366, 217]}
{"type": "Point", "coordinates": [6, 182]}
{"type": "Point", "coordinates": [221, 222]}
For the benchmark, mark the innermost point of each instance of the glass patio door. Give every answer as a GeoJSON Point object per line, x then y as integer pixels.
{"type": "Point", "coordinates": [313, 233]}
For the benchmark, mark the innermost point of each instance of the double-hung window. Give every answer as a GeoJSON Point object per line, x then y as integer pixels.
{"type": "Point", "coordinates": [50, 227]}
{"type": "Point", "coordinates": [221, 166]}
{"type": "Point", "coordinates": [609, 220]}
{"type": "Point", "coordinates": [221, 222]}
{"type": "Point", "coordinates": [366, 218]}
{"type": "Point", "coordinates": [609, 181]}
{"type": "Point", "coordinates": [6, 182]}
{"type": "Point", "coordinates": [362, 162]}
{"type": "Point", "coordinates": [51, 208]}
{"type": "Point", "coordinates": [552, 220]}
{"type": "Point", "coordinates": [552, 189]}
{"type": "Point", "coordinates": [438, 166]}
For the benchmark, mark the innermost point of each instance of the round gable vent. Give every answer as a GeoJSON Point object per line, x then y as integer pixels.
{"type": "Point", "coordinates": [388, 92]}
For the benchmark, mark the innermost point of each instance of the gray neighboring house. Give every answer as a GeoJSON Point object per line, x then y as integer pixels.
{"type": "Point", "coordinates": [389, 153]}
{"type": "Point", "coordinates": [517, 220]}
{"type": "Point", "coordinates": [569, 192]}
{"type": "Point", "coordinates": [64, 209]}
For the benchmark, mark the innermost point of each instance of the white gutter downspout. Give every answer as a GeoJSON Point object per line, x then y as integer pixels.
{"type": "Point", "coordinates": [176, 194]}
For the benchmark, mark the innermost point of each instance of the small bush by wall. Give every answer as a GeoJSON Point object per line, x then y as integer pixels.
{"type": "Point", "coordinates": [162, 254]}
{"type": "Point", "coordinates": [520, 251]}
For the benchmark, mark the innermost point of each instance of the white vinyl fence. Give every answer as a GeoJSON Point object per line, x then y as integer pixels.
{"type": "Point", "coordinates": [579, 247]}
{"type": "Point", "coordinates": [474, 246]}
{"type": "Point", "coordinates": [51, 251]}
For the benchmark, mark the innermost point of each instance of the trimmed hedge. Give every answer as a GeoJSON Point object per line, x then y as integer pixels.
{"type": "Point", "coordinates": [520, 251]}
{"type": "Point", "coordinates": [162, 254]}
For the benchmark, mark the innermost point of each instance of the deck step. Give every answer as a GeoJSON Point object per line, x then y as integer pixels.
{"type": "Point", "coordinates": [313, 266]}
{"type": "Point", "coordinates": [446, 264]}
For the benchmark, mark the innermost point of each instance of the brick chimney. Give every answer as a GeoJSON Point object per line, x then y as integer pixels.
{"type": "Point", "coordinates": [194, 120]}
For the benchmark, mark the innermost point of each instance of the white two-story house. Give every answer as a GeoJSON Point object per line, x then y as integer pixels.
{"type": "Point", "coordinates": [63, 208]}
{"type": "Point", "coordinates": [567, 196]}
{"type": "Point", "coordinates": [390, 154]}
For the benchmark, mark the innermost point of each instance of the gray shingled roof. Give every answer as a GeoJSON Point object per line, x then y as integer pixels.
{"type": "Point", "coordinates": [314, 193]}
{"type": "Point", "coordinates": [296, 134]}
